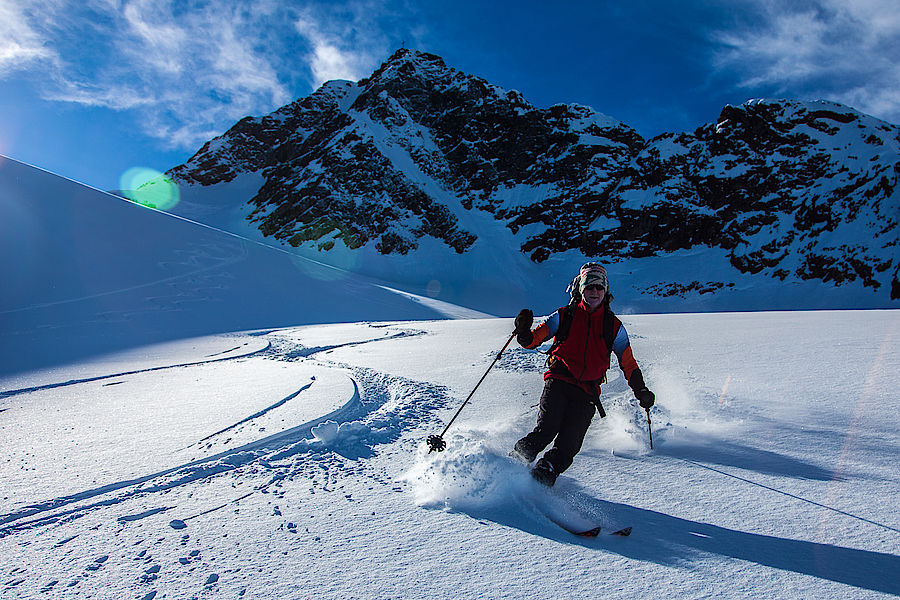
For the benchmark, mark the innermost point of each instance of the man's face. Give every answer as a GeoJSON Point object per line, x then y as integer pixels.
{"type": "Point", "coordinates": [593, 296]}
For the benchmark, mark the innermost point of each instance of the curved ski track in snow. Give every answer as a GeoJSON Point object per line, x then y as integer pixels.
{"type": "Point", "coordinates": [380, 409]}
{"type": "Point", "coordinates": [149, 284]}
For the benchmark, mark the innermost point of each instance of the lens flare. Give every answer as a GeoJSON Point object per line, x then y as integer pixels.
{"type": "Point", "coordinates": [149, 188]}
{"type": "Point", "coordinates": [724, 391]}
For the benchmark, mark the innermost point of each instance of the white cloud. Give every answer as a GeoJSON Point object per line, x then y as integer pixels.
{"type": "Point", "coordinates": [833, 49]}
{"type": "Point", "coordinates": [189, 71]}
{"type": "Point", "coordinates": [116, 97]}
{"type": "Point", "coordinates": [21, 44]}
{"type": "Point", "coordinates": [345, 44]}
{"type": "Point", "coordinates": [153, 38]}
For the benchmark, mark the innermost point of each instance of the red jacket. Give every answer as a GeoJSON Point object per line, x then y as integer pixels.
{"type": "Point", "coordinates": [584, 356]}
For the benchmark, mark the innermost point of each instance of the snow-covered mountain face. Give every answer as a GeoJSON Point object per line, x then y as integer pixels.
{"type": "Point", "coordinates": [423, 173]}
{"type": "Point", "coordinates": [374, 161]}
{"type": "Point", "coordinates": [790, 189]}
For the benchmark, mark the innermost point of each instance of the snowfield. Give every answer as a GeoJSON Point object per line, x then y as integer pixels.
{"type": "Point", "coordinates": [185, 413]}
{"type": "Point", "coordinates": [291, 463]}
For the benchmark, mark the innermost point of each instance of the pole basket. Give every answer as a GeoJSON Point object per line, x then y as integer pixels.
{"type": "Point", "coordinates": [436, 444]}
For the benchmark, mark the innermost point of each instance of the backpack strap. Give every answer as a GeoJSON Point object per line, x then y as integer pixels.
{"type": "Point", "coordinates": [609, 326]}
{"type": "Point", "coordinates": [566, 316]}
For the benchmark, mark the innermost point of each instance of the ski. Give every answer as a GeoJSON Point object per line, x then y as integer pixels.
{"type": "Point", "coordinates": [590, 533]}
{"type": "Point", "coordinates": [624, 532]}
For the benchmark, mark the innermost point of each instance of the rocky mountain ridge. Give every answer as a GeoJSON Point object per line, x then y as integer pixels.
{"type": "Point", "coordinates": [789, 190]}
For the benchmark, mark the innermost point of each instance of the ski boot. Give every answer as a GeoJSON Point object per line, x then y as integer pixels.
{"type": "Point", "coordinates": [544, 473]}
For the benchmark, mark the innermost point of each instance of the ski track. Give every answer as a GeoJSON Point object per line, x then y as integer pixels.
{"type": "Point", "coordinates": [323, 451]}
{"type": "Point", "coordinates": [280, 349]}
{"type": "Point", "coordinates": [262, 412]}
{"type": "Point", "coordinates": [380, 409]}
{"type": "Point", "coordinates": [196, 261]}
{"type": "Point", "coordinates": [51, 386]}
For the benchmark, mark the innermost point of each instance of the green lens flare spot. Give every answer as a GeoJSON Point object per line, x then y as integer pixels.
{"type": "Point", "coordinates": [149, 188]}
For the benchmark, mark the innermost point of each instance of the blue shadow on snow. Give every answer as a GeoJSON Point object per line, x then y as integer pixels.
{"type": "Point", "coordinates": [668, 540]}
{"type": "Point", "coordinates": [663, 538]}
{"type": "Point", "coordinates": [732, 454]}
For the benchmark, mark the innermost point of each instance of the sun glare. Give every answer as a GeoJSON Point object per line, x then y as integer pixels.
{"type": "Point", "coordinates": [149, 188]}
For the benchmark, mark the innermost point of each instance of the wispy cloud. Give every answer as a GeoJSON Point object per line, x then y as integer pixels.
{"type": "Point", "coordinates": [21, 44]}
{"type": "Point", "coordinates": [188, 72]}
{"type": "Point", "coordinates": [345, 43]}
{"type": "Point", "coordinates": [830, 49]}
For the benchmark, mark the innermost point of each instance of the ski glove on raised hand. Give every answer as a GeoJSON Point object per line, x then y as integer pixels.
{"type": "Point", "coordinates": [524, 321]}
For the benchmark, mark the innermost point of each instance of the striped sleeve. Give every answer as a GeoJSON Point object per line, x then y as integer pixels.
{"type": "Point", "coordinates": [622, 348]}
{"type": "Point", "coordinates": [545, 330]}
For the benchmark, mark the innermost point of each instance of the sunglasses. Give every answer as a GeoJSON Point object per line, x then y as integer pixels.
{"type": "Point", "coordinates": [595, 287]}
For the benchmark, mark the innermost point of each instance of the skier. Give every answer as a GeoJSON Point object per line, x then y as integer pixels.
{"type": "Point", "coordinates": [586, 333]}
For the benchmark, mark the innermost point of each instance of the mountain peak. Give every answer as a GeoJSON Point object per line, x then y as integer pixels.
{"type": "Point", "coordinates": [407, 64]}
{"type": "Point", "coordinates": [416, 56]}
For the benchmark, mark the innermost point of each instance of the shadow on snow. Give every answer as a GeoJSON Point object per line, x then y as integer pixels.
{"type": "Point", "coordinates": [669, 540]}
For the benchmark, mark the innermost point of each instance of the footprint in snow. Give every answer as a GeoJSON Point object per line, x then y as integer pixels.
{"type": "Point", "coordinates": [150, 574]}
{"type": "Point", "coordinates": [193, 556]}
{"type": "Point", "coordinates": [143, 556]}
{"type": "Point", "coordinates": [97, 563]}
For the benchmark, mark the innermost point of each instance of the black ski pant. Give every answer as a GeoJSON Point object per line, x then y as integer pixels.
{"type": "Point", "coordinates": [565, 414]}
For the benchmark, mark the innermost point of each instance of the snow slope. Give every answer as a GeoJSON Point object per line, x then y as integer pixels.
{"type": "Point", "coordinates": [175, 425]}
{"type": "Point", "coordinates": [85, 272]}
{"type": "Point", "coordinates": [296, 467]}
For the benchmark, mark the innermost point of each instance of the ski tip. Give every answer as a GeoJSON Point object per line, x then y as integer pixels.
{"type": "Point", "coordinates": [623, 532]}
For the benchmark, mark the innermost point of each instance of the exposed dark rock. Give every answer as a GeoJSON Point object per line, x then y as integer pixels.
{"type": "Point", "coordinates": [405, 152]}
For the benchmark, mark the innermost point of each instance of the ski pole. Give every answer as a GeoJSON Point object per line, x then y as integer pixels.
{"type": "Point", "coordinates": [649, 428]}
{"type": "Point", "coordinates": [436, 442]}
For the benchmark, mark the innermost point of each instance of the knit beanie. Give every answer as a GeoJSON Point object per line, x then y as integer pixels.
{"type": "Point", "coordinates": [592, 274]}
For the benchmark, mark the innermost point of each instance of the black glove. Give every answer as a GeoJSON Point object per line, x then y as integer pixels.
{"type": "Point", "coordinates": [645, 397]}
{"type": "Point", "coordinates": [524, 321]}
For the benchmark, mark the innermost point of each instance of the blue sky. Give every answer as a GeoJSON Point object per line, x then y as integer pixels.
{"type": "Point", "coordinates": [91, 88]}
